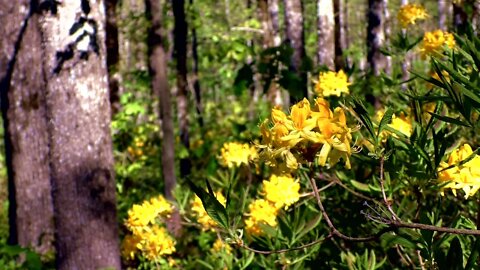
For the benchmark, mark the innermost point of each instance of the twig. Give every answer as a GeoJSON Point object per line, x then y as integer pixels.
{"type": "Point", "coordinates": [382, 186]}
{"type": "Point", "coordinates": [268, 252]}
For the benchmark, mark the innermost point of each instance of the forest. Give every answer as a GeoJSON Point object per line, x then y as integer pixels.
{"type": "Point", "coordinates": [240, 134]}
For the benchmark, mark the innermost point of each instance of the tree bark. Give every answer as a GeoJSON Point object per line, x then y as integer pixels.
{"type": "Point", "coordinates": [340, 42]}
{"type": "Point", "coordinates": [296, 40]}
{"type": "Point", "coordinates": [22, 98]}
{"type": "Point", "coordinates": [408, 58]}
{"type": "Point", "coordinates": [180, 47]}
{"type": "Point", "coordinates": [375, 36]}
{"type": "Point", "coordinates": [161, 90]}
{"type": "Point", "coordinates": [113, 54]}
{"type": "Point", "coordinates": [325, 34]}
{"type": "Point", "coordinates": [476, 16]}
{"type": "Point", "coordinates": [388, 33]}
{"type": "Point", "coordinates": [442, 14]}
{"type": "Point", "coordinates": [78, 113]}
{"type": "Point", "coordinates": [273, 10]}
{"type": "Point", "coordinates": [460, 19]}
{"type": "Point", "coordinates": [196, 80]}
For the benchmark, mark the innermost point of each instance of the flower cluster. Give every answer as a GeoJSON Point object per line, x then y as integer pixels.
{"type": "Point", "coordinates": [220, 246]}
{"type": "Point", "coordinates": [261, 211]}
{"type": "Point", "coordinates": [280, 191]}
{"type": "Point", "coordinates": [234, 154]}
{"type": "Point", "coordinates": [332, 84]}
{"type": "Point", "coordinates": [434, 42]}
{"type": "Point", "coordinates": [464, 176]}
{"type": "Point", "coordinates": [305, 134]}
{"type": "Point", "coordinates": [409, 13]}
{"type": "Point", "coordinates": [202, 217]}
{"type": "Point", "coordinates": [147, 235]}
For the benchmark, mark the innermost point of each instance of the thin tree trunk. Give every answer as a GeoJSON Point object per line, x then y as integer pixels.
{"type": "Point", "coordinates": [196, 81]}
{"type": "Point", "coordinates": [161, 90]}
{"type": "Point", "coordinates": [273, 93]}
{"type": "Point", "coordinates": [78, 113]}
{"type": "Point", "coordinates": [113, 54]}
{"type": "Point", "coordinates": [295, 39]}
{"type": "Point", "coordinates": [180, 47]}
{"type": "Point", "coordinates": [325, 33]}
{"type": "Point", "coordinates": [273, 10]}
{"type": "Point", "coordinates": [22, 90]}
{"type": "Point", "coordinates": [340, 43]}
{"type": "Point", "coordinates": [388, 33]}
{"type": "Point", "coordinates": [408, 58]}
{"type": "Point", "coordinates": [442, 14]}
{"type": "Point", "coordinates": [375, 36]}
{"type": "Point", "coordinates": [460, 18]}
{"type": "Point", "coordinates": [476, 16]}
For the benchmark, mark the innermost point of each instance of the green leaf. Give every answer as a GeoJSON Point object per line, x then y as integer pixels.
{"type": "Point", "coordinates": [360, 186]}
{"type": "Point", "coordinates": [474, 255]}
{"type": "Point", "coordinates": [362, 113]}
{"type": "Point", "coordinates": [212, 206]}
{"type": "Point", "coordinates": [449, 119]}
{"type": "Point", "coordinates": [455, 256]}
{"type": "Point", "coordinates": [386, 119]}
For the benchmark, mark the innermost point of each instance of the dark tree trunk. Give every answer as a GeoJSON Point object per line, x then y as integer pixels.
{"type": "Point", "coordinates": [325, 33]}
{"type": "Point", "coordinates": [78, 113]}
{"type": "Point", "coordinates": [180, 48]}
{"type": "Point", "coordinates": [295, 39]}
{"type": "Point", "coordinates": [196, 80]}
{"type": "Point", "coordinates": [340, 43]}
{"type": "Point", "coordinates": [387, 34]}
{"type": "Point", "coordinates": [460, 19]}
{"type": "Point", "coordinates": [375, 36]}
{"type": "Point", "coordinates": [113, 56]}
{"type": "Point", "coordinates": [22, 98]}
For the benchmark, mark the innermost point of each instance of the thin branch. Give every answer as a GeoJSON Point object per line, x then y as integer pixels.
{"type": "Point", "coordinates": [268, 252]}
{"type": "Point", "coordinates": [387, 203]}
{"type": "Point", "coordinates": [420, 226]}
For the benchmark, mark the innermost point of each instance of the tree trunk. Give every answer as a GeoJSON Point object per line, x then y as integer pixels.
{"type": "Point", "coordinates": [78, 113]}
{"type": "Point", "coordinates": [113, 54]}
{"type": "Point", "coordinates": [476, 16]}
{"type": "Point", "coordinates": [325, 33]}
{"type": "Point", "coordinates": [388, 33]}
{"type": "Point", "coordinates": [196, 81]}
{"type": "Point", "coordinates": [273, 10]}
{"type": "Point", "coordinates": [180, 47]}
{"type": "Point", "coordinates": [408, 58]}
{"type": "Point", "coordinates": [460, 19]}
{"type": "Point", "coordinates": [442, 14]}
{"type": "Point", "coordinates": [295, 39]}
{"type": "Point", "coordinates": [22, 98]}
{"type": "Point", "coordinates": [375, 36]}
{"type": "Point", "coordinates": [340, 42]}
{"type": "Point", "coordinates": [161, 90]}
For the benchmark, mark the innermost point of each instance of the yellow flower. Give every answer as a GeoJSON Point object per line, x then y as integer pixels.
{"type": "Point", "coordinates": [332, 84]}
{"type": "Point", "coordinates": [261, 211]}
{"type": "Point", "coordinates": [401, 123]}
{"type": "Point", "coordinates": [409, 13]}
{"type": "Point", "coordinates": [156, 242]}
{"type": "Point", "coordinates": [434, 42]}
{"type": "Point", "coordinates": [202, 217]}
{"type": "Point", "coordinates": [281, 190]}
{"type": "Point", "coordinates": [141, 215]}
{"type": "Point", "coordinates": [305, 134]}
{"type": "Point", "coordinates": [465, 176]}
{"type": "Point", "coordinates": [130, 246]}
{"type": "Point", "coordinates": [234, 154]}
{"type": "Point", "coordinates": [220, 246]}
